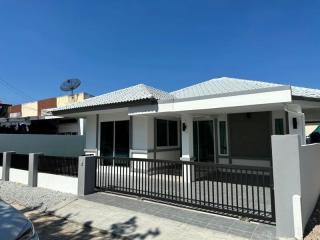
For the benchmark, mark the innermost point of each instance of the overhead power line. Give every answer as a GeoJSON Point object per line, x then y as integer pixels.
{"type": "Point", "coordinates": [16, 90]}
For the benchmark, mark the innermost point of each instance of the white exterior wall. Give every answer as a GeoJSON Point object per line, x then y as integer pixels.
{"type": "Point", "coordinates": [55, 145]}
{"type": "Point", "coordinates": [91, 123]}
{"type": "Point", "coordinates": [0, 172]}
{"type": "Point", "coordinates": [294, 111]}
{"type": "Point", "coordinates": [142, 137]}
{"type": "Point", "coordinates": [310, 179]}
{"type": "Point", "coordinates": [143, 141]}
{"type": "Point", "coordinates": [18, 175]}
{"type": "Point", "coordinates": [58, 183]}
{"type": "Point", "coordinates": [142, 133]}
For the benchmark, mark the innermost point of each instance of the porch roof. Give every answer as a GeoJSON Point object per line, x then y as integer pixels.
{"type": "Point", "coordinates": [137, 94]}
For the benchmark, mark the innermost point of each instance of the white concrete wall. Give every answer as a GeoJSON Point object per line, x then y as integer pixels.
{"type": "Point", "coordinates": [286, 174]}
{"type": "Point", "coordinates": [18, 175]}
{"type": "Point", "coordinates": [0, 172]}
{"type": "Point", "coordinates": [297, 183]}
{"type": "Point", "coordinates": [56, 145]}
{"type": "Point", "coordinates": [142, 133]}
{"type": "Point", "coordinates": [310, 179]}
{"type": "Point", "coordinates": [58, 183]}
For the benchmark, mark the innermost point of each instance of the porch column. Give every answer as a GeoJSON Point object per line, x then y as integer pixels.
{"type": "Point", "coordinates": [187, 137]}
{"type": "Point", "coordinates": [296, 121]}
{"type": "Point", "coordinates": [187, 148]}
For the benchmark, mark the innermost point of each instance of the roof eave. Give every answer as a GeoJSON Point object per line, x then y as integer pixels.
{"type": "Point", "coordinates": [311, 99]}
{"type": "Point", "coordinates": [105, 107]}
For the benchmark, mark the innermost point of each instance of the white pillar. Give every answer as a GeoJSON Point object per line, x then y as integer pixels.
{"type": "Point", "coordinates": [296, 120]}
{"type": "Point", "coordinates": [187, 137]}
{"type": "Point", "coordinates": [187, 148]}
{"type": "Point", "coordinates": [81, 126]}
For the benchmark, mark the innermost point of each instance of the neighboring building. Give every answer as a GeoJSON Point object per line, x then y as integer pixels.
{"type": "Point", "coordinates": [4, 110]}
{"type": "Point", "coordinates": [33, 117]}
{"type": "Point", "coordinates": [222, 120]}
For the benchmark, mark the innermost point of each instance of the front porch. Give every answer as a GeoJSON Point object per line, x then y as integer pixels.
{"type": "Point", "coordinates": [227, 136]}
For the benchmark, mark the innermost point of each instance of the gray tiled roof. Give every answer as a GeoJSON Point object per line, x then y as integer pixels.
{"type": "Point", "coordinates": [208, 88]}
{"type": "Point", "coordinates": [226, 85]}
{"type": "Point", "coordinates": [126, 95]}
{"type": "Point", "coordinates": [305, 92]}
{"type": "Point", "coordinates": [221, 86]}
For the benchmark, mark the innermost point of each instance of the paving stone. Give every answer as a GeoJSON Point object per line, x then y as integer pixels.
{"type": "Point", "coordinates": [256, 236]}
{"type": "Point", "coordinates": [217, 227]}
{"type": "Point", "coordinates": [219, 224]}
{"type": "Point", "coordinates": [239, 233]}
{"type": "Point", "coordinates": [243, 226]}
{"type": "Point", "coordinates": [266, 230]}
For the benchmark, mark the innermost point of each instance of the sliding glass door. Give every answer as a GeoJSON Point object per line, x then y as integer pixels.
{"type": "Point", "coordinates": [203, 141]}
{"type": "Point", "coordinates": [114, 139]}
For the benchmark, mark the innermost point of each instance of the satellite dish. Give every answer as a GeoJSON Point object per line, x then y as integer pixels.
{"type": "Point", "coordinates": [70, 85]}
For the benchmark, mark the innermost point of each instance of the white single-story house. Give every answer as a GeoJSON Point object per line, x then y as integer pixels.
{"type": "Point", "coordinates": [223, 120]}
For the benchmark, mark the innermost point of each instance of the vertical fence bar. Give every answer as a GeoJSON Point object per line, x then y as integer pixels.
{"type": "Point", "coordinates": [218, 187]}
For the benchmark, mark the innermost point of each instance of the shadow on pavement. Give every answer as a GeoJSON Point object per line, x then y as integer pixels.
{"type": "Point", "coordinates": [50, 227]}
{"type": "Point", "coordinates": [312, 229]}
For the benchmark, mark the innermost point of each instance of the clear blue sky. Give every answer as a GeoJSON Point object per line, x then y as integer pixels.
{"type": "Point", "coordinates": [167, 44]}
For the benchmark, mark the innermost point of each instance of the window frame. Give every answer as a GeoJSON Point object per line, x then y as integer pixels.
{"type": "Point", "coordinates": [167, 134]}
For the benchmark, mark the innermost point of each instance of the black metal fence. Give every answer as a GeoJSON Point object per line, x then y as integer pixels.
{"type": "Point", "coordinates": [227, 189]}
{"type": "Point", "coordinates": [67, 166]}
{"type": "Point", "coordinates": [20, 161]}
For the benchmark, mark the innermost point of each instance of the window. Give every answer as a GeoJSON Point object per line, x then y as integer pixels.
{"type": "Point", "coordinates": [279, 126]}
{"type": "Point", "coordinates": [167, 133]}
{"type": "Point", "coordinates": [223, 145]}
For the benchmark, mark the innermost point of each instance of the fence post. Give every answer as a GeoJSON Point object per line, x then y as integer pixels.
{"type": "Point", "coordinates": [86, 175]}
{"type": "Point", "coordinates": [33, 169]}
{"type": "Point", "coordinates": [6, 163]}
{"type": "Point", "coordinates": [287, 184]}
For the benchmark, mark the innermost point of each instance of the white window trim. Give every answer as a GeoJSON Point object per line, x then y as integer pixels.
{"type": "Point", "coordinates": [223, 119]}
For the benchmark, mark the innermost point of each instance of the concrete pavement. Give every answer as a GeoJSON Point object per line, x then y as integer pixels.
{"type": "Point", "coordinates": [136, 219]}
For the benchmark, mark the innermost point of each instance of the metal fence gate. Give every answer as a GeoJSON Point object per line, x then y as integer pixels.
{"type": "Point", "coordinates": [226, 189]}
